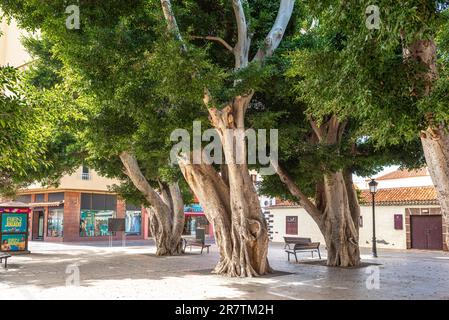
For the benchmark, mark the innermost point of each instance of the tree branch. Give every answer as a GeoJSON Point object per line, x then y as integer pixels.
{"type": "Point", "coordinates": [308, 205]}
{"type": "Point", "coordinates": [132, 170]}
{"type": "Point", "coordinates": [216, 39]}
{"type": "Point", "coordinates": [317, 130]}
{"type": "Point", "coordinates": [274, 37]}
{"type": "Point", "coordinates": [171, 22]}
{"type": "Point", "coordinates": [241, 49]}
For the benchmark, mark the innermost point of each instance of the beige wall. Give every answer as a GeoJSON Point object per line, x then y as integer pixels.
{"type": "Point", "coordinates": [11, 50]}
{"type": "Point", "coordinates": [75, 182]}
{"type": "Point", "coordinates": [386, 235]}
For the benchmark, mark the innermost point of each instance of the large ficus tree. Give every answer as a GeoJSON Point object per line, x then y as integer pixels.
{"type": "Point", "coordinates": [110, 66]}
{"type": "Point", "coordinates": [247, 33]}
{"type": "Point", "coordinates": [392, 74]}
{"type": "Point", "coordinates": [318, 158]}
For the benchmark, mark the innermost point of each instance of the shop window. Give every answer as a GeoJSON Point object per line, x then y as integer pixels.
{"type": "Point", "coordinates": [24, 198]}
{"type": "Point", "coordinates": [39, 197]}
{"type": "Point", "coordinates": [55, 223]}
{"type": "Point", "coordinates": [95, 223]}
{"type": "Point", "coordinates": [133, 222]}
{"type": "Point", "coordinates": [57, 196]}
{"type": "Point", "coordinates": [193, 223]}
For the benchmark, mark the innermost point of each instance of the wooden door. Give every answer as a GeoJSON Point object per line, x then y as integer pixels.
{"type": "Point", "coordinates": [427, 232]}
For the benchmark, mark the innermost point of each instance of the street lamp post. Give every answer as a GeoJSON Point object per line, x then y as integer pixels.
{"type": "Point", "coordinates": [373, 189]}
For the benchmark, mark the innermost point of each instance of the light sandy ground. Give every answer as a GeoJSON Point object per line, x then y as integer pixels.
{"type": "Point", "coordinates": [134, 272]}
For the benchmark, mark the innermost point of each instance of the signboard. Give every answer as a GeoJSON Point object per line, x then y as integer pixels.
{"type": "Point", "coordinates": [116, 225]}
{"type": "Point", "coordinates": [13, 242]}
{"type": "Point", "coordinates": [14, 223]}
{"type": "Point", "coordinates": [14, 228]}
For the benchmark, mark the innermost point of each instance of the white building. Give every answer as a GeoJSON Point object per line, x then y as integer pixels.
{"type": "Point", "coordinates": [12, 52]}
{"type": "Point", "coordinates": [408, 215]}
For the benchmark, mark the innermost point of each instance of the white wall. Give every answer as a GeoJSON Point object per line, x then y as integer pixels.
{"type": "Point", "coordinates": [11, 50]}
{"type": "Point", "coordinates": [307, 228]}
{"type": "Point", "coordinates": [385, 232]}
{"type": "Point", "coordinates": [423, 181]}
{"type": "Point", "coordinates": [386, 235]}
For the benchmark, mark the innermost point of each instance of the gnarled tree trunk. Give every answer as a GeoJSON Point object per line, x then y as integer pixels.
{"type": "Point", "coordinates": [434, 140]}
{"type": "Point", "coordinates": [436, 150]}
{"type": "Point", "coordinates": [339, 228]}
{"type": "Point", "coordinates": [336, 210]}
{"type": "Point", "coordinates": [166, 211]}
{"type": "Point", "coordinates": [233, 206]}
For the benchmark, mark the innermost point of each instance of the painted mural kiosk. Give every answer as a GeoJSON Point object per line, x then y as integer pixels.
{"type": "Point", "coordinates": [14, 227]}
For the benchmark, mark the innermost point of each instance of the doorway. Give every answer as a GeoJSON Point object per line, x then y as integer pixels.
{"type": "Point", "coordinates": [38, 225]}
{"type": "Point", "coordinates": [427, 232]}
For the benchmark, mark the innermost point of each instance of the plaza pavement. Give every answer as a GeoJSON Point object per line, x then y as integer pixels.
{"type": "Point", "coordinates": [134, 272]}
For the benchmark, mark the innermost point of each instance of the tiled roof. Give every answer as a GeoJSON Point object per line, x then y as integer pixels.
{"type": "Point", "coordinates": [401, 174]}
{"type": "Point", "coordinates": [388, 197]}
{"type": "Point", "coordinates": [284, 203]}
{"type": "Point", "coordinates": [408, 195]}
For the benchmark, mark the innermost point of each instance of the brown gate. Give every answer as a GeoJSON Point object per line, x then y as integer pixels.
{"type": "Point", "coordinates": [427, 232]}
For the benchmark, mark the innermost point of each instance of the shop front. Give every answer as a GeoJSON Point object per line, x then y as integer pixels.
{"type": "Point", "coordinates": [80, 216]}
{"type": "Point", "coordinates": [196, 219]}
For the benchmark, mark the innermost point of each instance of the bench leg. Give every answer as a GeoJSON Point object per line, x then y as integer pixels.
{"type": "Point", "coordinates": [6, 263]}
{"type": "Point", "coordinates": [202, 250]}
{"type": "Point", "coordinates": [288, 256]}
{"type": "Point", "coordinates": [312, 254]}
{"type": "Point", "coordinates": [296, 258]}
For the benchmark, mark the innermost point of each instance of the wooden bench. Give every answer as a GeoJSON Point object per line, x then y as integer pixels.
{"type": "Point", "coordinates": [4, 256]}
{"type": "Point", "coordinates": [301, 247]}
{"type": "Point", "coordinates": [295, 240]}
{"type": "Point", "coordinates": [196, 243]}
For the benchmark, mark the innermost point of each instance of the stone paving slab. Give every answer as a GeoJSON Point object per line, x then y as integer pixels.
{"type": "Point", "coordinates": [134, 272]}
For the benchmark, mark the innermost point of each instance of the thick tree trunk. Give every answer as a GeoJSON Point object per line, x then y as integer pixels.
{"type": "Point", "coordinates": [241, 229]}
{"type": "Point", "coordinates": [336, 209]}
{"type": "Point", "coordinates": [339, 229]}
{"type": "Point", "coordinates": [166, 212]}
{"type": "Point", "coordinates": [435, 140]}
{"type": "Point", "coordinates": [436, 150]}
{"type": "Point", "coordinates": [243, 245]}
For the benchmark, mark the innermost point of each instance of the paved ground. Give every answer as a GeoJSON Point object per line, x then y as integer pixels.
{"type": "Point", "coordinates": [134, 272]}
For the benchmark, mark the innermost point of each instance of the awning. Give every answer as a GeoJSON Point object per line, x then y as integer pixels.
{"type": "Point", "coordinates": [194, 213]}
{"type": "Point", "coordinates": [46, 204]}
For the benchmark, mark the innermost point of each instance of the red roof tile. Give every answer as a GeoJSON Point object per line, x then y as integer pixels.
{"type": "Point", "coordinates": [408, 195]}
{"type": "Point", "coordinates": [388, 197]}
{"type": "Point", "coordinates": [401, 174]}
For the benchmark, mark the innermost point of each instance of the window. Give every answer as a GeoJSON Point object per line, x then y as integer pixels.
{"type": "Point", "coordinates": [85, 175]}
{"type": "Point", "coordinates": [398, 222]}
{"type": "Point", "coordinates": [55, 223]}
{"type": "Point", "coordinates": [133, 222]}
{"type": "Point", "coordinates": [96, 210]}
{"type": "Point", "coordinates": [95, 223]}
{"type": "Point", "coordinates": [291, 225]}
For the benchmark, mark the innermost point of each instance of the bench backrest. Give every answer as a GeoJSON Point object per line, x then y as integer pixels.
{"type": "Point", "coordinates": [296, 240]}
